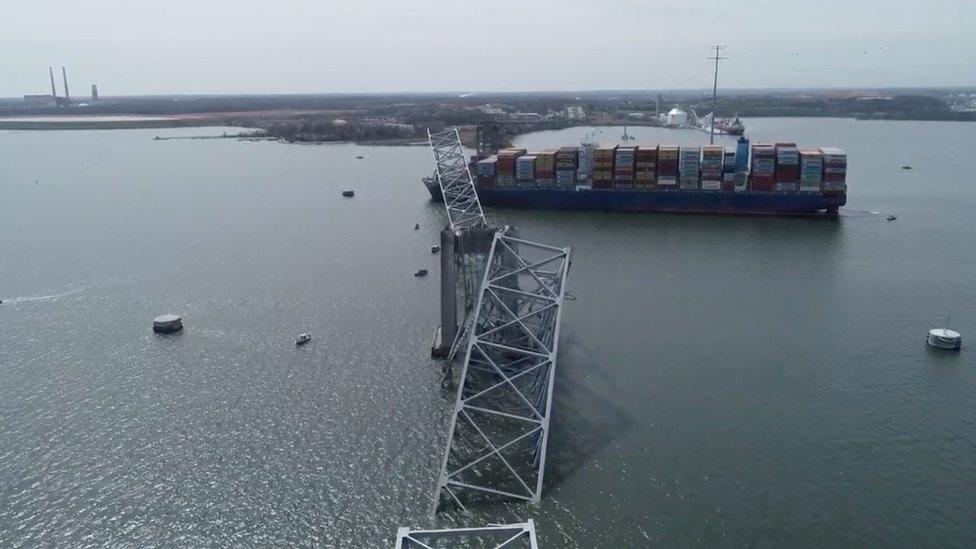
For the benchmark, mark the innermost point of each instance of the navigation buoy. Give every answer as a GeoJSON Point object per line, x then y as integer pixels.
{"type": "Point", "coordinates": [167, 324]}
{"type": "Point", "coordinates": [944, 338]}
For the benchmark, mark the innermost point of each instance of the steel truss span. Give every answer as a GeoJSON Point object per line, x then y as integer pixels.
{"type": "Point", "coordinates": [460, 197]}
{"type": "Point", "coordinates": [499, 430]}
{"type": "Point", "coordinates": [509, 536]}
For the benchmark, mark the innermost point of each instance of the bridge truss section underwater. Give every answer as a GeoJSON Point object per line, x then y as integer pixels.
{"type": "Point", "coordinates": [511, 536]}
{"type": "Point", "coordinates": [500, 425]}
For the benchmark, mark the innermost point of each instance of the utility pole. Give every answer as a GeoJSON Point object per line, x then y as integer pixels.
{"type": "Point", "coordinates": [718, 51]}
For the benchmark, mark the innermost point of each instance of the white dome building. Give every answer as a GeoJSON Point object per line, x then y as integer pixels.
{"type": "Point", "coordinates": [676, 118]}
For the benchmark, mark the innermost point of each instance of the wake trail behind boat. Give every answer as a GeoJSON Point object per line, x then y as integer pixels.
{"type": "Point", "coordinates": [46, 297]}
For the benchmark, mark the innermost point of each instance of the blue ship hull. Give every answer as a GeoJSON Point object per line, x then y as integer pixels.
{"type": "Point", "coordinates": [709, 202]}
{"type": "Point", "coordinates": [713, 202]}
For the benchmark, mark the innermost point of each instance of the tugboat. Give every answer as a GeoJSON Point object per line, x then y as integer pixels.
{"type": "Point", "coordinates": [421, 272]}
{"type": "Point", "coordinates": [348, 194]}
{"type": "Point", "coordinates": [303, 339]}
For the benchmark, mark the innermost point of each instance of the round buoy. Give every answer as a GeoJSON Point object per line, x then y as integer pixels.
{"type": "Point", "coordinates": [167, 324]}
{"type": "Point", "coordinates": [944, 338]}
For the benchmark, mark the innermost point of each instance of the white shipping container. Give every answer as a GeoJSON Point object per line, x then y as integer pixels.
{"type": "Point", "coordinates": [711, 185]}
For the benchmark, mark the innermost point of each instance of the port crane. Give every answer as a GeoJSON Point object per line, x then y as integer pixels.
{"type": "Point", "coordinates": [512, 292]}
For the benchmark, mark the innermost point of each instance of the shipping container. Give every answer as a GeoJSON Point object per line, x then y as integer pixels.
{"type": "Point", "coordinates": [486, 167]}
{"type": "Point", "coordinates": [689, 161]}
{"type": "Point", "coordinates": [525, 167]}
{"type": "Point", "coordinates": [623, 163]}
{"type": "Point", "coordinates": [763, 163]}
{"type": "Point", "coordinates": [603, 156]}
{"type": "Point", "coordinates": [811, 170]}
{"type": "Point", "coordinates": [835, 169]}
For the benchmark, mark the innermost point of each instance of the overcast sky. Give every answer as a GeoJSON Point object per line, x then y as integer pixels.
{"type": "Point", "coordinates": [133, 47]}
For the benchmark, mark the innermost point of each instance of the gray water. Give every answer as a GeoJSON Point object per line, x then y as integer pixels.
{"type": "Point", "coordinates": [722, 381]}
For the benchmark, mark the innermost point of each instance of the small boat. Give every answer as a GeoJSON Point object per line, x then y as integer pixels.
{"type": "Point", "coordinates": [348, 194]}
{"type": "Point", "coordinates": [302, 339]}
{"type": "Point", "coordinates": [944, 338]}
{"type": "Point", "coordinates": [892, 217]}
{"type": "Point", "coordinates": [359, 157]}
{"type": "Point", "coordinates": [416, 226]}
{"type": "Point", "coordinates": [433, 249]}
{"type": "Point", "coordinates": [906, 167]}
{"type": "Point", "coordinates": [421, 272]}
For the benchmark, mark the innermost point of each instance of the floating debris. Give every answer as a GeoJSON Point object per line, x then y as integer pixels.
{"type": "Point", "coordinates": [421, 272]}
{"type": "Point", "coordinates": [348, 194]}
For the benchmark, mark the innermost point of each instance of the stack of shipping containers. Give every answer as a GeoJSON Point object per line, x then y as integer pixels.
{"type": "Point", "coordinates": [566, 165]}
{"type": "Point", "coordinates": [728, 170]}
{"type": "Point", "coordinates": [811, 170]}
{"type": "Point", "coordinates": [645, 168]}
{"type": "Point", "coordinates": [525, 171]}
{"type": "Point", "coordinates": [787, 167]}
{"type": "Point", "coordinates": [774, 168]}
{"type": "Point", "coordinates": [713, 158]}
{"type": "Point", "coordinates": [484, 170]}
{"type": "Point", "coordinates": [688, 160]}
{"type": "Point", "coordinates": [835, 169]}
{"type": "Point", "coordinates": [623, 167]}
{"type": "Point", "coordinates": [603, 167]}
{"type": "Point", "coordinates": [545, 169]}
{"type": "Point", "coordinates": [763, 168]}
{"type": "Point", "coordinates": [505, 167]}
{"type": "Point", "coordinates": [667, 167]}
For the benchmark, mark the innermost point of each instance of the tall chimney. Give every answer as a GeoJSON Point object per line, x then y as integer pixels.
{"type": "Point", "coordinates": [67, 96]}
{"type": "Point", "coordinates": [54, 91]}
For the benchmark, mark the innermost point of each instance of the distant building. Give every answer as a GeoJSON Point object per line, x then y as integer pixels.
{"type": "Point", "coordinates": [575, 112]}
{"type": "Point", "coordinates": [527, 116]}
{"type": "Point", "coordinates": [41, 101]}
{"type": "Point", "coordinates": [491, 109]}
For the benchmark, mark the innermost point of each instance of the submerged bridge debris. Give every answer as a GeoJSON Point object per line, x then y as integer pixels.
{"type": "Point", "coordinates": [511, 291]}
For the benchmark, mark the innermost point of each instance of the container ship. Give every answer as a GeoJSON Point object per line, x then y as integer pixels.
{"type": "Point", "coordinates": [764, 178]}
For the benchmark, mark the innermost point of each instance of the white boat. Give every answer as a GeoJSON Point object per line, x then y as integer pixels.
{"type": "Point", "coordinates": [944, 338]}
{"type": "Point", "coordinates": [303, 339]}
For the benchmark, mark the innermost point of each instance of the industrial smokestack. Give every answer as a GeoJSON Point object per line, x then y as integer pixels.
{"type": "Point", "coordinates": [64, 74]}
{"type": "Point", "coordinates": [94, 92]}
{"type": "Point", "coordinates": [54, 91]}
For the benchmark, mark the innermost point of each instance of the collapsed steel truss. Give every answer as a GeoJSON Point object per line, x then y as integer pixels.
{"type": "Point", "coordinates": [500, 426]}
{"type": "Point", "coordinates": [501, 536]}
{"type": "Point", "coordinates": [452, 173]}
